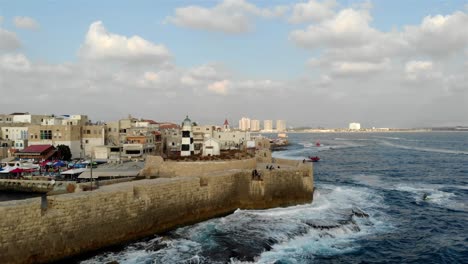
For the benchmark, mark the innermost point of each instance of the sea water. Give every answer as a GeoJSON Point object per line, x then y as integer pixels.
{"type": "Point", "coordinates": [368, 207]}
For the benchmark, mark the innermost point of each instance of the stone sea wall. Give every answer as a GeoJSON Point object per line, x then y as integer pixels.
{"type": "Point", "coordinates": [155, 166]}
{"type": "Point", "coordinates": [39, 230]}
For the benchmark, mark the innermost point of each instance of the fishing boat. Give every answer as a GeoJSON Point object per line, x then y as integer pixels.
{"type": "Point", "coordinates": [313, 159]}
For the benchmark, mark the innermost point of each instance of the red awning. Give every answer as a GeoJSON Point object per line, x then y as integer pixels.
{"type": "Point", "coordinates": [17, 170]}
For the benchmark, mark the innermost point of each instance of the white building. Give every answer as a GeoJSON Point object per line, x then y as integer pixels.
{"type": "Point", "coordinates": [280, 125]}
{"type": "Point", "coordinates": [14, 133]}
{"type": "Point", "coordinates": [268, 125]}
{"type": "Point", "coordinates": [187, 148]}
{"type": "Point", "coordinates": [354, 126]}
{"type": "Point", "coordinates": [244, 124]}
{"type": "Point", "coordinates": [254, 125]}
{"type": "Point", "coordinates": [231, 139]}
{"type": "Point", "coordinates": [211, 147]}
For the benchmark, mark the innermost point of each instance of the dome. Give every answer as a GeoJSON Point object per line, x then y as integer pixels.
{"type": "Point", "coordinates": [187, 122]}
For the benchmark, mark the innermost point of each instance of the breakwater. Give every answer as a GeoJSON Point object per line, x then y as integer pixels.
{"type": "Point", "coordinates": [41, 230]}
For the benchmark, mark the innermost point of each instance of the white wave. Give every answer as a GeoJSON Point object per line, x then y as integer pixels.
{"type": "Point", "coordinates": [434, 195]}
{"type": "Point", "coordinates": [292, 229]}
{"type": "Point", "coordinates": [446, 151]}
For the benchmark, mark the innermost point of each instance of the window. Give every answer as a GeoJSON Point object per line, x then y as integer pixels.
{"type": "Point", "coordinates": [86, 141]}
{"type": "Point", "coordinates": [185, 133]}
{"type": "Point", "coordinates": [88, 132]}
{"type": "Point", "coordinates": [45, 134]}
{"type": "Point", "coordinates": [185, 147]}
{"type": "Point", "coordinates": [6, 136]}
{"type": "Point", "coordinates": [133, 152]}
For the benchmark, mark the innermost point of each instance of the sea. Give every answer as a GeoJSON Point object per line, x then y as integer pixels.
{"type": "Point", "coordinates": [368, 207]}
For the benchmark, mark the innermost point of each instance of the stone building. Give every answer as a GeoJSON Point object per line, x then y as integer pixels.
{"type": "Point", "coordinates": [55, 135]}
{"type": "Point", "coordinates": [211, 148]}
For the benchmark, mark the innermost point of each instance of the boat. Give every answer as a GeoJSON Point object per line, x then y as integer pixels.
{"type": "Point", "coordinates": [313, 159]}
{"type": "Point", "coordinates": [317, 143]}
{"type": "Point", "coordinates": [279, 143]}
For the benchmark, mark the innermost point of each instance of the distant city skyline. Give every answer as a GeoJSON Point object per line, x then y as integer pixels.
{"type": "Point", "coordinates": [315, 63]}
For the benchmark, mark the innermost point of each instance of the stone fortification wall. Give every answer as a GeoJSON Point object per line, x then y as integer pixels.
{"type": "Point", "coordinates": [288, 162]}
{"type": "Point", "coordinates": [155, 166]}
{"type": "Point", "coordinates": [36, 230]}
{"type": "Point", "coordinates": [58, 187]}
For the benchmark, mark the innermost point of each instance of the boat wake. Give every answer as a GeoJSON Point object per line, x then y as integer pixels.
{"type": "Point", "coordinates": [437, 150]}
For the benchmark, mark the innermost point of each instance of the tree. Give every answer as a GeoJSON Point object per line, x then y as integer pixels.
{"type": "Point", "coordinates": [64, 152]}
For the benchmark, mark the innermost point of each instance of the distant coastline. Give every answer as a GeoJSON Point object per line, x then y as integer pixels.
{"type": "Point", "coordinates": [370, 130]}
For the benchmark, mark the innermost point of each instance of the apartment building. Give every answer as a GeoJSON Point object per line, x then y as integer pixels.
{"type": "Point", "coordinates": [280, 125]}
{"type": "Point", "coordinates": [92, 136]}
{"type": "Point", "coordinates": [58, 135]}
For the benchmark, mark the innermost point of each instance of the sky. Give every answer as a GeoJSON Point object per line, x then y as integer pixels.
{"type": "Point", "coordinates": [317, 63]}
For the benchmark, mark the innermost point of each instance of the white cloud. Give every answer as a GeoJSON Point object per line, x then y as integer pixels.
{"type": "Point", "coordinates": [220, 87]}
{"type": "Point", "coordinates": [347, 29]}
{"type": "Point", "coordinates": [15, 62]}
{"type": "Point", "coordinates": [25, 23]}
{"type": "Point", "coordinates": [8, 40]}
{"type": "Point", "coordinates": [439, 35]}
{"type": "Point", "coordinates": [102, 45]}
{"type": "Point", "coordinates": [313, 10]}
{"type": "Point", "coordinates": [229, 16]}
{"type": "Point", "coordinates": [203, 74]}
{"type": "Point", "coordinates": [1, 20]}
{"type": "Point", "coordinates": [350, 67]}
{"type": "Point", "coordinates": [418, 69]}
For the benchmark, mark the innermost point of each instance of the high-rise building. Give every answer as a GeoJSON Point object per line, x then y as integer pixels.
{"type": "Point", "coordinates": [244, 124]}
{"type": "Point", "coordinates": [254, 125]}
{"type": "Point", "coordinates": [280, 125]}
{"type": "Point", "coordinates": [268, 125]}
{"type": "Point", "coordinates": [354, 126]}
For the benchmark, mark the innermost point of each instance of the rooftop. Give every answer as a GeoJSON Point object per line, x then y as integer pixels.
{"type": "Point", "coordinates": [36, 149]}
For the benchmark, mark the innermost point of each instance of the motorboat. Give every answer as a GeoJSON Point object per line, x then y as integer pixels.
{"type": "Point", "coordinates": [313, 159]}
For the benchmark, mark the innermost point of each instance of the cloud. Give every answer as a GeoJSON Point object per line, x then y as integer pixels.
{"type": "Point", "coordinates": [350, 67]}
{"type": "Point", "coordinates": [439, 35]}
{"type": "Point", "coordinates": [348, 35]}
{"type": "Point", "coordinates": [229, 16]}
{"type": "Point", "coordinates": [102, 45]}
{"type": "Point", "coordinates": [15, 62]}
{"type": "Point", "coordinates": [8, 40]}
{"type": "Point", "coordinates": [418, 70]}
{"type": "Point", "coordinates": [25, 23]}
{"type": "Point", "coordinates": [220, 87]}
{"type": "Point", "coordinates": [202, 74]}
{"type": "Point", "coordinates": [349, 28]}
{"type": "Point", "coordinates": [313, 10]}
{"type": "Point", "coordinates": [1, 20]}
